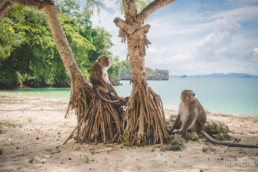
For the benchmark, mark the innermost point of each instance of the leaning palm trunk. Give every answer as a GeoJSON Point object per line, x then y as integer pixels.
{"type": "Point", "coordinates": [144, 121]}
{"type": "Point", "coordinates": [97, 121]}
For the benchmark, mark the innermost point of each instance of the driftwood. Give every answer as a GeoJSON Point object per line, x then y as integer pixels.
{"type": "Point", "coordinates": [102, 150]}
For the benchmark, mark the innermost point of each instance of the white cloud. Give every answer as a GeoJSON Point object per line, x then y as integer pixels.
{"type": "Point", "coordinates": [109, 4]}
{"type": "Point", "coordinates": [179, 39]}
{"type": "Point", "coordinates": [255, 50]}
{"type": "Point", "coordinates": [246, 13]}
{"type": "Point", "coordinates": [105, 19]}
{"type": "Point", "coordinates": [215, 43]}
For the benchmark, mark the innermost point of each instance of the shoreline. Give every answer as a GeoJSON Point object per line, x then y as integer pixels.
{"type": "Point", "coordinates": [36, 127]}
{"type": "Point", "coordinates": [165, 109]}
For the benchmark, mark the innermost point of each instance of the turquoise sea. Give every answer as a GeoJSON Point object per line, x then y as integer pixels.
{"type": "Point", "coordinates": [219, 95]}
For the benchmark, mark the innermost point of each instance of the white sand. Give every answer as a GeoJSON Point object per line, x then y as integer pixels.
{"type": "Point", "coordinates": [38, 129]}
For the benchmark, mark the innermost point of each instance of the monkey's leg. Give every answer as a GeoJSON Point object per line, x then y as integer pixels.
{"type": "Point", "coordinates": [198, 125]}
{"type": "Point", "coordinates": [190, 120]}
{"type": "Point", "coordinates": [193, 125]}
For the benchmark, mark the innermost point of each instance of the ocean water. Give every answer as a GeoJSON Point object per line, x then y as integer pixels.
{"type": "Point", "coordinates": [219, 95]}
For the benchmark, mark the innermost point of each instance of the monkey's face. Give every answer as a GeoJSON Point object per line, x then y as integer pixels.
{"type": "Point", "coordinates": [187, 96]}
{"type": "Point", "coordinates": [104, 61]}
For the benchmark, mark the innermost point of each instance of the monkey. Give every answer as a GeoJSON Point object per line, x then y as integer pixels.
{"type": "Point", "coordinates": [100, 81]}
{"type": "Point", "coordinates": [192, 117]}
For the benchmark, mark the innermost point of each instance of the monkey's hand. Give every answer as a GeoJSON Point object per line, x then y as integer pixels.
{"type": "Point", "coordinates": [125, 100]}
{"type": "Point", "coordinates": [184, 135]}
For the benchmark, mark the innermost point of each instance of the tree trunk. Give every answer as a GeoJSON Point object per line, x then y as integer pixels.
{"type": "Point", "coordinates": [5, 5]}
{"type": "Point", "coordinates": [144, 121]}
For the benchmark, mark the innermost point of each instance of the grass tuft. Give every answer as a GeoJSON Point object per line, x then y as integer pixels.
{"type": "Point", "coordinates": [1, 151]}
{"type": "Point", "coordinates": [87, 160]}
{"type": "Point", "coordinates": [31, 160]}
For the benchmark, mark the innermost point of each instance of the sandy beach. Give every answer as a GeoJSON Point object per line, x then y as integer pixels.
{"type": "Point", "coordinates": [35, 129]}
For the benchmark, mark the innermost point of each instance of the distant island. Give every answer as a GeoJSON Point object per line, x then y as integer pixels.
{"type": "Point", "coordinates": [216, 75]}
{"type": "Point", "coordinates": [152, 74]}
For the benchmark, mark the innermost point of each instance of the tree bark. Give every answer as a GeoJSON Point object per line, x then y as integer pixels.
{"type": "Point", "coordinates": [64, 49]}
{"type": "Point", "coordinates": [5, 5]}
{"type": "Point", "coordinates": [153, 6]}
{"type": "Point", "coordinates": [144, 121]}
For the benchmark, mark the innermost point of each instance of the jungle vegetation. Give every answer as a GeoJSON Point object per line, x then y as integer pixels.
{"type": "Point", "coordinates": [28, 53]}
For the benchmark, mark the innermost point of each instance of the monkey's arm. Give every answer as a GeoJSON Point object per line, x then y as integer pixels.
{"type": "Point", "coordinates": [102, 83]}
{"type": "Point", "coordinates": [177, 124]}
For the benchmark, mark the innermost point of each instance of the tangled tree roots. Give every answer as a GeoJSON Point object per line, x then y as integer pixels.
{"type": "Point", "coordinates": [97, 121]}
{"type": "Point", "coordinates": [144, 121]}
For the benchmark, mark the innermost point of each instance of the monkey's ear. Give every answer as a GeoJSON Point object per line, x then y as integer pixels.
{"type": "Point", "coordinates": [193, 94]}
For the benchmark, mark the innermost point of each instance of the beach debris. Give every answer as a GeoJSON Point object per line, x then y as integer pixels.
{"type": "Point", "coordinates": [101, 150]}
{"type": "Point", "coordinates": [237, 139]}
{"type": "Point", "coordinates": [205, 148]}
{"type": "Point", "coordinates": [208, 148]}
{"type": "Point", "coordinates": [54, 150]}
{"type": "Point", "coordinates": [170, 121]}
{"type": "Point", "coordinates": [176, 145]}
{"type": "Point", "coordinates": [214, 127]}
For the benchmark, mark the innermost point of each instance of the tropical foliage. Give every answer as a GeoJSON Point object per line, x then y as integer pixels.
{"type": "Point", "coordinates": [28, 54]}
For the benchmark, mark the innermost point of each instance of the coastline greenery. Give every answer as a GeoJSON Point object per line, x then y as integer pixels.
{"type": "Point", "coordinates": [28, 54]}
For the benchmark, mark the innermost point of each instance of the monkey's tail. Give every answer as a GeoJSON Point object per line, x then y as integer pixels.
{"type": "Point", "coordinates": [214, 141]}
{"type": "Point", "coordinates": [102, 98]}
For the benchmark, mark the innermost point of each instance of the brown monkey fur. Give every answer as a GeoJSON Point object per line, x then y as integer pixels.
{"type": "Point", "coordinates": [192, 117]}
{"type": "Point", "coordinates": [99, 78]}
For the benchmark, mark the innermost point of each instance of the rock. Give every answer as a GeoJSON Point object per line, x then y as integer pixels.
{"type": "Point", "coordinates": [152, 74]}
{"type": "Point", "coordinates": [192, 136]}
{"type": "Point", "coordinates": [214, 127]}
{"type": "Point", "coordinates": [221, 137]}
{"type": "Point", "coordinates": [157, 74]}
{"type": "Point", "coordinates": [114, 80]}
{"type": "Point", "coordinates": [205, 148]}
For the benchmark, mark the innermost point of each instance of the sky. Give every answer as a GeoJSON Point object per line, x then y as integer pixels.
{"type": "Point", "coordinates": [192, 37]}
